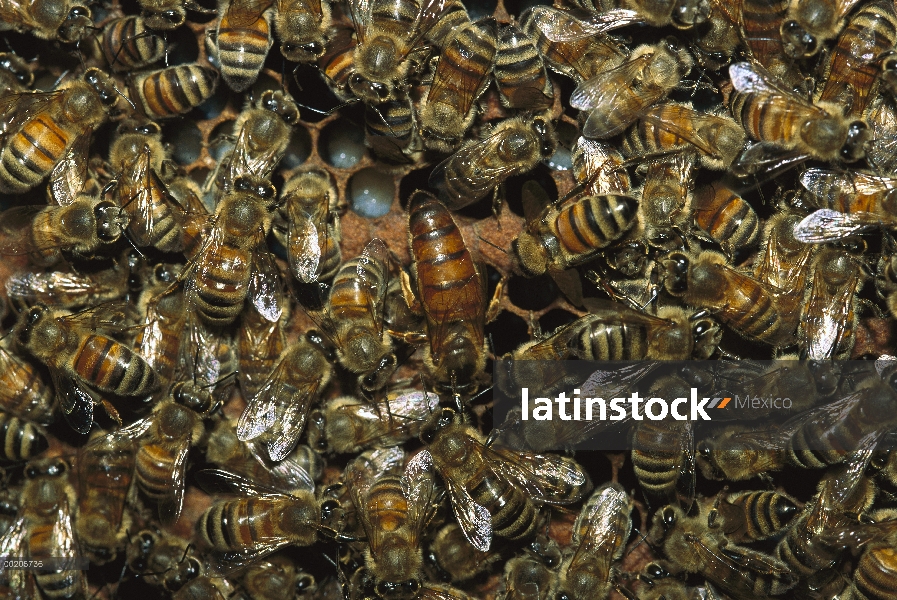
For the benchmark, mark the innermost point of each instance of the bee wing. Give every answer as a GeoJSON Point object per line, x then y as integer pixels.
{"type": "Point", "coordinates": [828, 184]}
{"type": "Point", "coordinates": [361, 474]}
{"type": "Point", "coordinates": [360, 13]}
{"type": "Point", "coordinates": [261, 340]}
{"type": "Point", "coordinates": [219, 481]}
{"type": "Point", "coordinates": [685, 484]}
{"type": "Point", "coordinates": [777, 269]}
{"type": "Point", "coordinates": [827, 317]}
{"type": "Point", "coordinates": [766, 158]}
{"type": "Point", "coordinates": [75, 401]}
{"type": "Point", "coordinates": [373, 273]}
{"type": "Point", "coordinates": [844, 7]}
{"type": "Point", "coordinates": [545, 477]}
{"type": "Point", "coordinates": [69, 177]}
{"type": "Point", "coordinates": [443, 592]}
{"type": "Point", "coordinates": [292, 474]}
{"type": "Point", "coordinates": [17, 108]}
{"type": "Point", "coordinates": [136, 187]}
{"type": "Point", "coordinates": [561, 26]}
{"type": "Point", "coordinates": [62, 534]}
{"type": "Point", "coordinates": [170, 507]}
{"type": "Point", "coordinates": [303, 245]}
{"type": "Point", "coordinates": [752, 77]}
{"type": "Point", "coordinates": [287, 430]}
{"type": "Point", "coordinates": [16, 582]}
{"type": "Point", "coordinates": [474, 519]}
{"type": "Point", "coordinates": [601, 539]}
{"type": "Point", "coordinates": [260, 413]}
{"type": "Point", "coordinates": [827, 225]}
{"type": "Point", "coordinates": [243, 13]}
{"type": "Point", "coordinates": [299, 6]}
{"type": "Point", "coordinates": [535, 200]}
{"type": "Point", "coordinates": [226, 564]}
{"type": "Point", "coordinates": [15, 230]}
{"type": "Point", "coordinates": [199, 353]}
{"type": "Point", "coordinates": [604, 89]}
{"type": "Point", "coordinates": [477, 156]}
{"type": "Point", "coordinates": [429, 15]}
{"type": "Point", "coordinates": [684, 123]}
{"type": "Point", "coordinates": [742, 563]}
{"type": "Point", "coordinates": [63, 287]}
{"type": "Point", "coordinates": [265, 285]}
{"type": "Point", "coordinates": [419, 487]}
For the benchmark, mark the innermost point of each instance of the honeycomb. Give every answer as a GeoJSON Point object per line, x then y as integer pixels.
{"type": "Point", "coordinates": [375, 194]}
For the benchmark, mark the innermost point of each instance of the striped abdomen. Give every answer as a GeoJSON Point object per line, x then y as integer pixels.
{"type": "Point", "coordinates": [769, 118]}
{"type": "Point", "coordinates": [242, 49]}
{"type": "Point", "coordinates": [580, 59]}
{"type": "Point", "coordinates": [128, 44]}
{"type": "Point", "coordinates": [765, 513]}
{"type": "Point", "coordinates": [394, 119]}
{"type": "Point", "coordinates": [113, 367]}
{"type": "Point", "coordinates": [603, 340]}
{"type": "Point", "coordinates": [591, 223]}
{"type": "Point", "coordinates": [875, 577]}
{"type": "Point", "coordinates": [854, 64]}
{"type": "Point", "coordinates": [155, 466]}
{"type": "Point", "coordinates": [657, 455]}
{"type": "Point", "coordinates": [448, 283]}
{"type": "Point", "coordinates": [260, 346]}
{"type": "Point", "coordinates": [174, 90]}
{"type": "Point", "coordinates": [246, 523]}
{"type": "Point", "coordinates": [513, 515]}
{"type": "Point", "coordinates": [726, 216]}
{"type": "Point", "coordinates": [160, 338]}
{"type": "Point", "coordinates": [158, 227]}
{"type": "Point", "coordinates": [386, 506]}
{"type": "Point", "coordinates": [337, 63]}
{"type": "Point", "coordinates": [30, 153]}
{"type": "Point", "coordinates": [452, 19]}
{"type": "Point", "coordinates": [761, 22]}
{"type": "Point", "coordinates": [350, 295]}
{"type": "Point", "coordinates": [220, 285]}
{"type": "Point", "coordinates": [520, 72]}
{"type": "Point", "coordinates": [105, 472]}
{"type": "Point", "coordinates": [22, 440]}
{"type": "Point", "coordinates": [802, 550]}
{"type": "Point", "coordinates": [44, 543]}
{"type": "Point", "coordinates": [755, 312]}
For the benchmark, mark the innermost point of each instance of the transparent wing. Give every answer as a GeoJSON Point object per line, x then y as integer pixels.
{"type": "Point", "coordinates": [559, 26]}
{"type": "Point", "coordinates": [827, 317]}
{"type": "Point", "coordinates": [15, 109]}
{"type": "Point", "coordinates": [461, 92]}
{"type": "Point", "coordinates": [62, 534]}
{"type": "Point", "coordinates": [597, 529]}
{"type": "Point", "coordinates": [829, 185]}
{"type": "Point", "coordinates": [286, 432]}
{"type": "Point", "coordinates": [303, 245]}
{"type": "Point", "coordinates": [76, 403]}
{"type": "Point", "coordinates": [767, 159]}
{"type": "Point", "coordinates": [219, 481]}
{"type": "Point", "coordinates": [292, 474]}
{"type": "Point", "coordinates": [17, 583]}
{"type": "Point", "coordinates": [260, 413]}
{"type": "Point", "coordinates": [827, 225]}
{"type": "Point", "coordinates": [243, 13]}
{"type": "Point", "coordinates": [684, 123]}
{"type": "Point", "coordinates": [475, 157]}
{"type": "Point", "coordinates": [69, 177]}
{"type": "Point", "coordinates": [752, 77]}
{"type": "Point", "coordinates": [170, 507]}
{"type": "Point", "coordinates": [360, 13]}
{"type": "Point", "coordinates": [604, 89]}
{"type": "Point", "coordinates": [372, 271]}
{"type": "Point", "coordinates": [265, 284]}
{"type": "Point", "coordinates": [545, 477]}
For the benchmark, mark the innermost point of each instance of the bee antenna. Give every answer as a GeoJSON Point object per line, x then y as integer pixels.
{"type": "Point", "coordinates": [165, 41]}
{"type": "Point", "coordinates": [332, 110]}
{"type": "Point", "coordinates": [128, 100]}
{"type": "Point", "coordinates": [124, 234]}
{"type": "Point", "coordinates": [60, 78]}
{"type": "Point", "coordinates": [500, 249]}
{"type": "Point", "coordinates": [385, 122]}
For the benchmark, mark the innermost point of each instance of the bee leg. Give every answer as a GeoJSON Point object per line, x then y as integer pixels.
{"type": "Point", "coordinates": [498, 194]}
{"type": "Point", "coordinates": [408, 293]}
{"type": "Point", "coordinates": [111, 411]}
{"type": "Point", "coordinates": [495, 304]}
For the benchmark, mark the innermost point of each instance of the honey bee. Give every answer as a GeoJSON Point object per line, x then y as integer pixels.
{"type": "Point", "coordinates": [452, 291]}
{"type": "Point", "coordinates": [155, 218]}
{"type": "Point", "coordinates": [22, 440]}
{"type": "Point", "coordinates": [461, 77]}
{"type": "Point", "coordinates": [715, 140]}
{"type": "Point", "coordinates": [726, 217]}
{"type": "Point", "coordinates": [520, 73]}
{"type": "Point", "coordinates": [829, 320]}
{"type": "Point", "coordinates": [393, 512]}
{"type": "Point", "coordinates": [15, 75]}
{"type": "Point", "coordinates": [663, 452]}
{"type": "Point", "coordinates": [77, 356]}
{"type": "Point", "coordinates": [389, 46]}
{"type": "Point", "coordinates": [348, 425]}
{"type": "Point", "coordinates": [276, 414]}
{"type": "Point", "coordinates": [44, 529]}
{"type": "Point", "coordinates": [886, 281]}
{"type": "Point", "coordinates": [128, 44]}
{"type": "Point", "coordinates": [785, 260]}
{"type": "Point", "coordinates": [309, 204]}
{"type": "Point", "coordinates": [241, 40]}
{"type": "Point", "coordinates": [573, 47]}
{"type": "Point", "coordinates": [852, 73]}
{"type": "Point", "coordinates": [173, 90]}
{"type": "Point", "coordinates": [694, 546]}
{"type": "Point", "coordinates": [760, 23]}
{"type": "Point", "coordinates": [753, 516]}
{"type": "Point", "coordinates": [615, 98]}
{"type": "Point", "coordinates": [41, 128]}
{"type": "Point", "coordinates": [452, 554]}
{"type": "Point", "coordinates": [681, 14]}
{"type": "Point", "coordinates": [751, 308]}
{"type": "Point", "coordinates": [163, 560]}
{"type": "Point", "coordinates": [234, 262]}
{"type": "Point", "coordinates": [165, 438]}
{"type": "Point", "coordinates": [23, 392]}
{"type": "Point", "coordinates": [662, 210]}
{"type": "Point", "coordinates": [269, 579]}
{"type": "Point", "coordinates": [787, 127]}
{"type": "Point", "coordinates": [67, 22]}
{"type": "Point", "coordinates": [558, 238]}
{"type": "Point", "coordinates": [719, 38]}
{"type": "Point", "coordinates": [599, 536]}
{"type": "Point", "coordinates": [512, 147]}
{"type": "Point", "coordinates": [270, 519]}
{"type": "Point", "coordinates": [739, 453]}
{"type": "Point", "coordinates": [809, 25]}
{"type": "Point", "coordinates": [355, 317]}
{"type": "Point", "coordinates": [660, 584]}
{"type": "Point", "coordinates": [492, 488]}
{"type": "Point", "coordinates": [206, 587]}
{"type": "Point", "coordinates": [105, 472]}
{"type": "Point", "coordinates": [599, 169]}
{"type": "Point", "coordinates": [303, 29]}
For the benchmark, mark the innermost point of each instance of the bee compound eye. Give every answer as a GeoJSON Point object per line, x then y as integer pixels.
{"type": "Point", "coordinates": [304, 582]}
{"type": "Point", "coordinates": [668, 517]}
